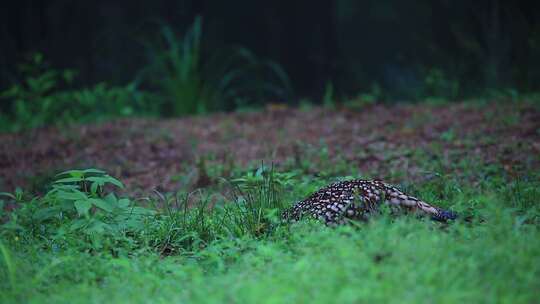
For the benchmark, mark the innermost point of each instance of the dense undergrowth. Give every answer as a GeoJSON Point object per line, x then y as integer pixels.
{"type": "Point", "coordinates": [177, 80]}
{"type": "Point", "coordinates": [80, 242]}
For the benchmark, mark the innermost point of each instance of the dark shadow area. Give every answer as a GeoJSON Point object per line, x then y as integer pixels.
{"type": "Point", "coordinates": [406, 50]}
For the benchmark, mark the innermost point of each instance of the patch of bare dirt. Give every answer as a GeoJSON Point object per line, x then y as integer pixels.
{"type": "Point", "coordinates": [148, 154]}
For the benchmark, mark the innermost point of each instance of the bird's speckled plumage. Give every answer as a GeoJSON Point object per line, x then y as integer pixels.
{"type": "Point", "coordinates": [355, 199]}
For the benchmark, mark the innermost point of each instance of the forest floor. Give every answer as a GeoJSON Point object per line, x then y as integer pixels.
{"type": "Point", "coordinates": [85, 244]}
{"type": "Point", "coordinates": [376, 141]}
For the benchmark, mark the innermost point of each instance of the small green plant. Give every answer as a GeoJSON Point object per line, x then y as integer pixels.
{"type": "Point", "coordinates": [46, 96]}
{"type": "Point", "coordinates": [258, 201]}
{"type": "Point", "coordinates": [264, 174]}
{"type": "Point", "coordinates": [187, 83]}
{"type": "Point", "coordinates": [30, 99]}
{"type": "Point", "coordinates": [448, 135]}
{"type": "Point", "coordinates": [77, 202]}
{"type": "Point", "coordinates": [328, 97]}
{"type": "Point", "coordinates": [365, 99]}
{"type": "Point", "coordinates": [438, 85]}
{"type": "Point", "coordinates": [305, 104]}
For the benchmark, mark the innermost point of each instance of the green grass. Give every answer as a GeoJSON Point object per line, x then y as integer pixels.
{"type": "Point", "coordinates": [240, 252]}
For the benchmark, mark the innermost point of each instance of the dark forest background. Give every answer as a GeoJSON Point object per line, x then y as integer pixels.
{"type": "Point", "coordinates": [399, 50]}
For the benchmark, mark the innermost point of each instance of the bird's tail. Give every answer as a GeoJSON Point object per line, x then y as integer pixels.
{"type": "Point", "coordinates": [397, 198]}
{"type": "Point", "coordinates": [436, 213]}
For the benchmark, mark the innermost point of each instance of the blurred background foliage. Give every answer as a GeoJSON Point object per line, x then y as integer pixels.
{"type": "Point", "coordinates": [65, 61]}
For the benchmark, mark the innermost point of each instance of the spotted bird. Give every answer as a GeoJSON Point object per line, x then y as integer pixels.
{"type": "Point", "coordinates": [356, 199]}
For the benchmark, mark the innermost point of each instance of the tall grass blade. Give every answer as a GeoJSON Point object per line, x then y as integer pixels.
{"type": "Point", "coordinates": [10, 267]}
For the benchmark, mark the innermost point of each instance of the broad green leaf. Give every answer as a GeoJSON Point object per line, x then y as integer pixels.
{"type": "Point", "coordinates": [68, 180]}
{"type": "Point", "coordinates": [78, 224]}
{"type": "Point", "coordinates": [83, 206]}
{"type": "Point", "coordinates": [111, 199]}
{"type": "Point", "coordinates": [72, 195]}
{"type": "Point", "coordinates": [133, 224]}
{"type": "Point", "coordinates": [46, 213]}
{"type": "Point", "coordinates": [102, 204]}
{"type": "Point", "coordinates": [95, 171]}
{"type": "Point", "coordinates": [114, 181]}
{"type": "Point", "coordinates": [97, 227]}
{"type": "Point", "coordinates": [73, 173]}
{"type": "Point", "coordinates": [123, 203]}
{"type": "Point", "coordinates": [97, 179]}
{"type": "Point", "coordinates": [64, 187]}
{"type": "Point", "coordinates": [105, 179]}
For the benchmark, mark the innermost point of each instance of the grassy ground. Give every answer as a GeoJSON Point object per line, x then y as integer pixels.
{"type": "Point", "coordinates": [77, 243]}
{"type": "Point", "coordinates": [400, 262]}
